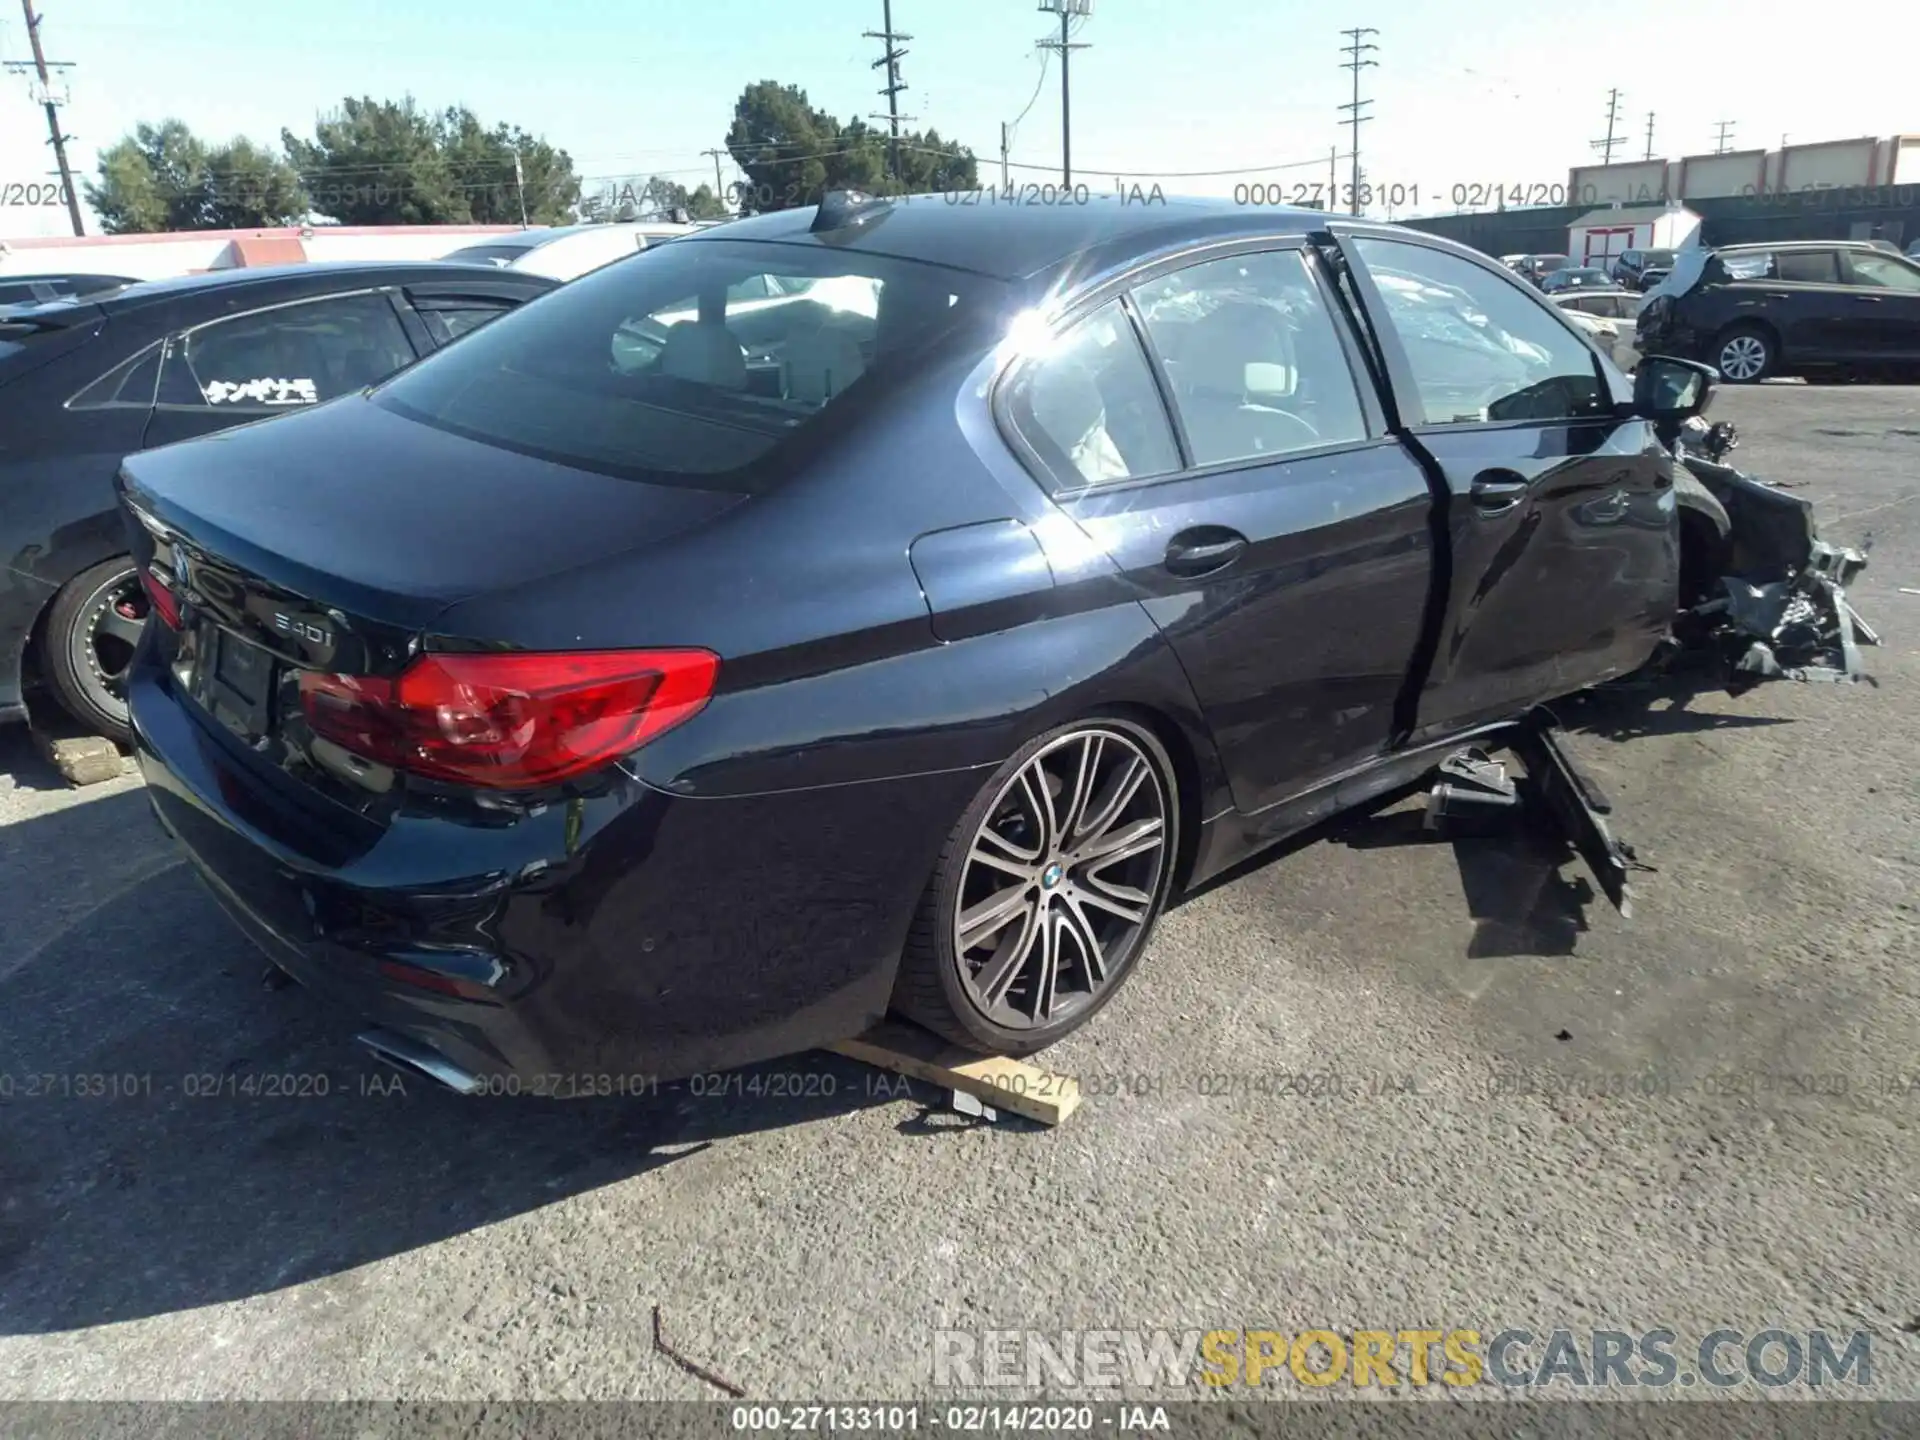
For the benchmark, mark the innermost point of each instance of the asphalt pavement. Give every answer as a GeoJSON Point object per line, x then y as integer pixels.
{"type": "Point", "coordinates": [1374, 1083]}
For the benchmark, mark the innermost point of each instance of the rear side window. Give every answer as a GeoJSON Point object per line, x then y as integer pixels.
{"type": "Point", "coordinates": [447, 322]}
{"type": "Point", "coordinates": [131, 383]}
{"type": "Point", "coordinates": [1090, 408]}
{"type": "Point", "coordinates": [696, 363]}
{"type": "Point", "coordinates": [288, 356]}
{"type": "Point", "coordinates": [1819, 267]}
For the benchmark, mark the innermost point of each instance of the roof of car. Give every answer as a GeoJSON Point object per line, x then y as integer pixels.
{"type": "Point", "coordinates": [1010, 240]}
{"type": "Point", "coordinates": [1758, 246]}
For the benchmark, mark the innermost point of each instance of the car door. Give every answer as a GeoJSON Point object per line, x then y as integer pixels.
{"type": "Point", "coordinates": [1559, 513]}
{"type": "Point", "coordinates": [1816, 316]}
{"type": "Point", "coordinates": [1205, 426]}
{"type": "Point", "coordinates": [267, 361]}
{"type": "Point", "coordinates": [1886, 298]}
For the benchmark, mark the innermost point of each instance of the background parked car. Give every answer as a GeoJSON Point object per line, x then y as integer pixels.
{"type": "Point", "coordinates": [1631, 268]}
{"type": "Point", "coordinates": [565, 252]}
{"type": "Point", "coordinates": [1913, 251]}
{"type": "Point", "coordinates": [84, 381]}
{"type": "Point", "coordinates": [1811, 308]}
{"type": "Point", "coordinates": [34, 289]}
{"type": "Point", "coordinates": [1575, 277]}
{"type": "Point", "coordinates": [1538, 267]}
{"type": "Point", "coordinates": [1608, 315]}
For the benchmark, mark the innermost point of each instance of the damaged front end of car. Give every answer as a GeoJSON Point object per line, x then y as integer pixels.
{"type": "Point", "coordinates": [1778, 609]}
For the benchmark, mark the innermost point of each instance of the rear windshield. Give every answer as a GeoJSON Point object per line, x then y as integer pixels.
{"type": "Point", "coordinates": [1657, 257]}
{"type": "Point", "coordinates": [694, 363]}
{"type": "Point", "coordinates": [1552, 262]}
{"type": "Point", "coordinates": [484, 254]}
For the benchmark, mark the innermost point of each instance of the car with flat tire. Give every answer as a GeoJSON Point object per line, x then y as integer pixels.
{"type": "Point", "coordinates": [562, 707]}
{"type": "Point", "coordinates": [1811, 308]}
{"type": "Point", "coordinates": [85, 380]}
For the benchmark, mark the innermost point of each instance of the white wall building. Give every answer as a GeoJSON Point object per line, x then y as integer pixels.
{"type": "Point", "coordinates": [1598, 236]}
{"type": "Point", "coordinates": [156, 257]}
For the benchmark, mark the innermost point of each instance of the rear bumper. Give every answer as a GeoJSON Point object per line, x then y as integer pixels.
{"type": "Point", "coordinates": [630, 933]}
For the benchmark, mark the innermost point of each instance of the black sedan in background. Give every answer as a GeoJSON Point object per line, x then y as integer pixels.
{"type": "Point", "coordinates": [615, 695]}
{"type": "Point", "coordinates": [89, 378]}
{"type": "Point", "coordinates": [1576, 277]}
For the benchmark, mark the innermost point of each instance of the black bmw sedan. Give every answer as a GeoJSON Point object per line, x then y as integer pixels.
{"type": "Point", "coordinates": [89, 376]}
{"type": "Point", "coordinates": [865, 607]}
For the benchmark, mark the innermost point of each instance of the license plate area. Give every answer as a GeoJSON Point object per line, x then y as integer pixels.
{"type": "Point", "coordinates": [237, 682]}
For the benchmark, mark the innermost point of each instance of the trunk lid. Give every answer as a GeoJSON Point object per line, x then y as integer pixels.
{"type": "Point", "coordinates": [381, 523]}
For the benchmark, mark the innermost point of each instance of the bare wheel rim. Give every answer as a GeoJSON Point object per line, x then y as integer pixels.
{"type": "Point", "coordinates": [101, 645]}
{"type": "Point", "coordinates": [1743, 357]}
{"type": "Point", "coordinates": [1060, 880]}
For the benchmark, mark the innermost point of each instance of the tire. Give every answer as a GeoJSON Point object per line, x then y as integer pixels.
{"type": "Point", "coordinates": [88, 640]}
{"type": "Point", "coordinates": [1746, 354]}
{"type": "Point", "coordinates": [992, 994]}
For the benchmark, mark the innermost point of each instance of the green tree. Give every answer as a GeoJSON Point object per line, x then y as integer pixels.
{"type": "Point", "coordinates": [379, 163]}
{"type": "Point", "coordinates": [163, 177]}
{"type": "Point", "coordinates": [792, 153]}
{"type": "Point", "coordinates": [481, 161]}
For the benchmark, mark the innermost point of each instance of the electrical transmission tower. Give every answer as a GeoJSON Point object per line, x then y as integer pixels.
{"type": "Point", "coordinates": [1355, 50]}
{"type": "Point", "coordinates": [1605, 147]}
{"type": "Point", "coordinates": [1649, 154]}
{"type": "Point", "coordinates": [45, 95]}
{"type": "Point", "coordinates": [1721, 141]}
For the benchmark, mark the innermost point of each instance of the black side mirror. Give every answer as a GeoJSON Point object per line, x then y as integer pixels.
{"type": "Point", "coordinates": [1669, 391]}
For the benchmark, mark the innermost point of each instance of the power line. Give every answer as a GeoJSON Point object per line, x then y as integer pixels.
{"type": "Point", "coordinates": [1605, 147]}
{"type": "Point", "coordinates": [891, 59]}
{"type": "Point", "coordinates": [1067, 10]}
{"type": "Point", "coordinates": [41, 66]}
{"type": "Point", "coordinates": [1354, 49]}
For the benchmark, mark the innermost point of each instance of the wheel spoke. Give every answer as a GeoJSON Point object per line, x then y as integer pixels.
{"type": "Point", "coordinates": [980, 921]}
{"type": "Point", "coordinates": [1121, 843]}
{"type": "Point", "coordinates": [120, 627]}
{"type": "Point", "coordinates": [1086, 774]}
{"type": "Point", "coordinates": [1033, 785]}
{"type": "Point", "coordinates": [1047, 951]}
{"type": "Point", "coordinates": [1075, 921]}
{"type": "Point", "coordinates": [1120, 790]}
{"type": "Point", "coordinates": [995, 850]}
{"type": "Point", "coordinates": [1128, 902]}
{"type": "Point", "coordinates": [996, 977]}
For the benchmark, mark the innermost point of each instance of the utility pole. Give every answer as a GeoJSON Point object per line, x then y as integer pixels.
{"type": "Point", "coordinates": [1354, 49]}
{"type": "Point", "coordinates": [1067, 10]}
{"type": "Point", "coordinates": [719, 185]}
{"type": "Point", "coordinates": [1333, 177]}
{"type": "Point", "coordinates": [1006, 149]}
{"type": "Point", "coordinates": [1649, 154]}
{"type": "Point", "coordinates": [1605, 147]}
{"type": "Point", "coordinates": [41, 66]}
{"type": "Point", "coordinates": [891, 59]}
{"type": "Point", "coordinates": [1720, 141]}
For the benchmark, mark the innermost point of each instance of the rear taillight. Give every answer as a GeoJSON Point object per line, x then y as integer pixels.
{"type": "Point", "coordinates": [165, 603]}
{"type": "Point", "coordinates": [508, 722]}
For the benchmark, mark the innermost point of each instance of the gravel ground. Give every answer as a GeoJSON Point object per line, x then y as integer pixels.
{"type": "Point", "coordinates": [1729, 1141]}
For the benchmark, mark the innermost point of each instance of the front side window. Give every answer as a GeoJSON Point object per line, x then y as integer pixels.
{"type": "Point", "coordinates": [286, 357]}
{"type": "Point", "coordinates": [1253, 356]}
{"type": "Point", "coordinates": [1884, 271]}
{"type": "Point", "coordinates": [1090, 407]}
{"type": "Point", "coordinates": [697, 364]}
{"type": "Point", "coordinates": [1479, 347]}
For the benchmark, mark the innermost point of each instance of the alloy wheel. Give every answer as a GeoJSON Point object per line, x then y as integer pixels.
{"type": "Point", "coordinates": [101, 645]}
{"type": "Point", "coordinates": [1743, 357]}
{"type": "Point", "coordinates": [1061, 879]}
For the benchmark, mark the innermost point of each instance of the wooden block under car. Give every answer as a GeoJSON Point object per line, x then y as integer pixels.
{"type": "Point", "coordinates": [1002, 1083]}
{"type": "Point", "coordinates": [81, 759]}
